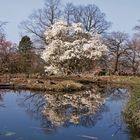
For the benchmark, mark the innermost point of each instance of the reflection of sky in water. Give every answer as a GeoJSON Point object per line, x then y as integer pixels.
{"type": "Point", "coordinates": [67, 116]}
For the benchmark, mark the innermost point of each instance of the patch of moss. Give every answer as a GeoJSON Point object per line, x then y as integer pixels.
{"type": "Point", "coordinates": [67, 86]}
{"type": "Point", "coordinates": [61, 86]}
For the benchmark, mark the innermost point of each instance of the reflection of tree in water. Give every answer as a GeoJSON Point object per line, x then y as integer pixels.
{"type": "Point", "coordinates": [1, 98]}
{"type": "Point", "coordinates": [77, 108]}
{"type": "Point", "coordinates": [116, 94]}
{"type": "Point", "coordinates": [63, 109]}
{"type": "Point", "coordinates": [119, 96]}
{"type": "Point", "coordinates": [32, 102]}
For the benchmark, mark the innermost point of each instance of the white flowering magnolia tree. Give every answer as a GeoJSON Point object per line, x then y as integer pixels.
{"type": "Point", "coordinates": [70, 49]}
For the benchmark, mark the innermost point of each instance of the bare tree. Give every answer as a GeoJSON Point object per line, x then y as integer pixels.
{"type": "Point", "coordinates": [90, 16]}
{"type": "Point", "coordinates": [134, 54]}
{"type": "Point", "coordinates": [6, 50]}
{"type": "Point", "coordinates": [117, 44]}
{"type": "Point", "coordinates": [40, 19]}
{"type": "Point", "coordinates": [2, 24]}
{"type": "Point", "coordinates": [136, 35]}
{"type": "Point", "coordinates": [68, 12]}
{"type": "Point", "coordinates": [52, 10]}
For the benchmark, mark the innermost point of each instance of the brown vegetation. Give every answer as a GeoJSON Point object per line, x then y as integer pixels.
{"type": "Point", "coordinates": [41, 84]}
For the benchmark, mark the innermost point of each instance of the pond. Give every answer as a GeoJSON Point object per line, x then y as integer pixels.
{"type": "Point", "coordinates": [93, 114]}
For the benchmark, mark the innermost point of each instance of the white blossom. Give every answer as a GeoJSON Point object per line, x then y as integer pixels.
{"type": "Point", "coordinates": [70, 48]}
{"type": "Point", "coordinates": [51, 69]}
{"type": "Point", "coordinates": [78, 27]}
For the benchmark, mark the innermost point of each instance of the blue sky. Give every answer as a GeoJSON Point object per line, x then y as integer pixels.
{"type": "Point", "coordinates": [124, 14]}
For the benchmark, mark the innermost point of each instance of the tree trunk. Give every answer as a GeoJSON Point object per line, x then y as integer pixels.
{"type": "Point", "coordinates": [116, 65]}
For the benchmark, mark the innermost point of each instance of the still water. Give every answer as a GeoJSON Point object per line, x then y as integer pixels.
{"type": "Point", "coordinates": [94, 114]}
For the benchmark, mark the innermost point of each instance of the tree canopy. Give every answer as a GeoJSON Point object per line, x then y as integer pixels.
{"type": "Point", "coordinates": [71, 49]}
